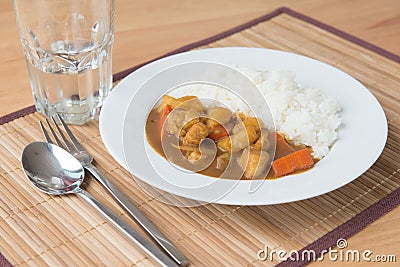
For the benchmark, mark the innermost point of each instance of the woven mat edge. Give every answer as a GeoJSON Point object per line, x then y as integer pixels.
{"type": "Point", "coordinates": [346, 230]}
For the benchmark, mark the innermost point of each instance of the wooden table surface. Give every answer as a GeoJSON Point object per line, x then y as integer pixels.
{"type": "Point", "coordinates": [147, 29]}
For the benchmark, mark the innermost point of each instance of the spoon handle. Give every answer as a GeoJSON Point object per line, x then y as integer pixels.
{"type": "Point", "coordinates": [138, 216]}
{"type": "Point", "coordinates": [121, 225]}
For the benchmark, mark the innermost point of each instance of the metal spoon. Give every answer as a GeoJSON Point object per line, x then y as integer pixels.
{"type": "Point", "coordinates": [54, 171]}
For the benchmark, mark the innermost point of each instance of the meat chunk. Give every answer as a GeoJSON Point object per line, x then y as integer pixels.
{"type": "Point", "coordinates": [240, 116]}
{"type": "Point", "coordinates": [253, 121]}
{"type": "Point", "coordinates": [253, 163]}
{"type": "Point", "coordinates": [195, 134]}
{"type": "Point", "coordinates": [180, 119]}
{"type": "Point", "coordinates": [218, 115]}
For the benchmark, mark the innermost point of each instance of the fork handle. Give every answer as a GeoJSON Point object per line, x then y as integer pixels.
{"type": "Point", "coordinates": [125, 228]}
{"type": "Point", "coordinates": [138, 216]}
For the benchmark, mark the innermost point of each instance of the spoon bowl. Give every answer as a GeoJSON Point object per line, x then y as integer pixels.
{"type": "Point", "coordinates": [52, 169]}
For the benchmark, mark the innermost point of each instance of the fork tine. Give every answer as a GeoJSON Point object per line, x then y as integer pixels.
{"type": "Point", "coordinates": [70, 147]}
{"type": "Point", "coordinates": [45, 133]}
{"type": "Point", "coordinates": [71, 135]}
{"type": "Point", "coordinates": [54, 134]}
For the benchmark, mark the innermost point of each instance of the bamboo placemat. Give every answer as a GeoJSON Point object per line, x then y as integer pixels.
{"type": "Point", "coordinates": [38, 229]}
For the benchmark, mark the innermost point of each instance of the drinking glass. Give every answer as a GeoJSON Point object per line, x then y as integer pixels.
{"type": "Point", "coordinates": [68, 49]}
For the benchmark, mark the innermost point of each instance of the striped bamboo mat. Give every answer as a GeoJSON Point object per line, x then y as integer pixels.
{"type": "Point", "coordinates": [38, 229]}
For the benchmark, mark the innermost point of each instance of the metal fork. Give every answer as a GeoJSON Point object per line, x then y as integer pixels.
{"type": "Point", "coordinates": [77, 150]}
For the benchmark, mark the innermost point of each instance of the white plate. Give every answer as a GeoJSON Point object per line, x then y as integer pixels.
{"type": "Point", "coordinates": [362, 136]}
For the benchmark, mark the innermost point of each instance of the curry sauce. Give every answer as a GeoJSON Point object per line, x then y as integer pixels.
{"type": "Point", "coordinates": [279, 148]}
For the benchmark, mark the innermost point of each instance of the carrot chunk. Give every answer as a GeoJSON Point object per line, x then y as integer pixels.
{"type": "Point", "coordinates": [163, 116]}
{"type": "Point", "coordinates": [298, 160]}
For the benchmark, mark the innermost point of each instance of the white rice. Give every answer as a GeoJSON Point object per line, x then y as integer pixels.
{"type": "Point", "coordinates": [303, 115]}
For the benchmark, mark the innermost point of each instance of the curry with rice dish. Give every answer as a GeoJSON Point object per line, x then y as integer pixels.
{"type": "Point", "coordinates": [187, 129]}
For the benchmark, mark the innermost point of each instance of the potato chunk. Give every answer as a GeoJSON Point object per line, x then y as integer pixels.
{"type": "Point", "coordinates": [239, 140]}
{"type": "Point", "coordinates": [243, 138]}
{"type": "Point", "coordinates": [180, 119]}
{"type": "Point", "coordinates": [249, 121]}
{"type": "Point", "coordinates": [168, 100]}
{"type": "Point", "coordinates": [185, 102]}
{"type": "Point", "coordinates": [223, 161]}
{"type": "Point", "coordinates": [190, 102]}
{"type": "Point", "coordinates": [253, 163]}
{"type": "Point", "coordinates": [218, 115]}
{"type": "Point", "coordinates": [262, 142]}
{"type": "Point", "coordinates": [225, 144]}
{"type": "Point", "coordinates": [194, 156]}
{"type": "Point", "coordinates": [195, 134]}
